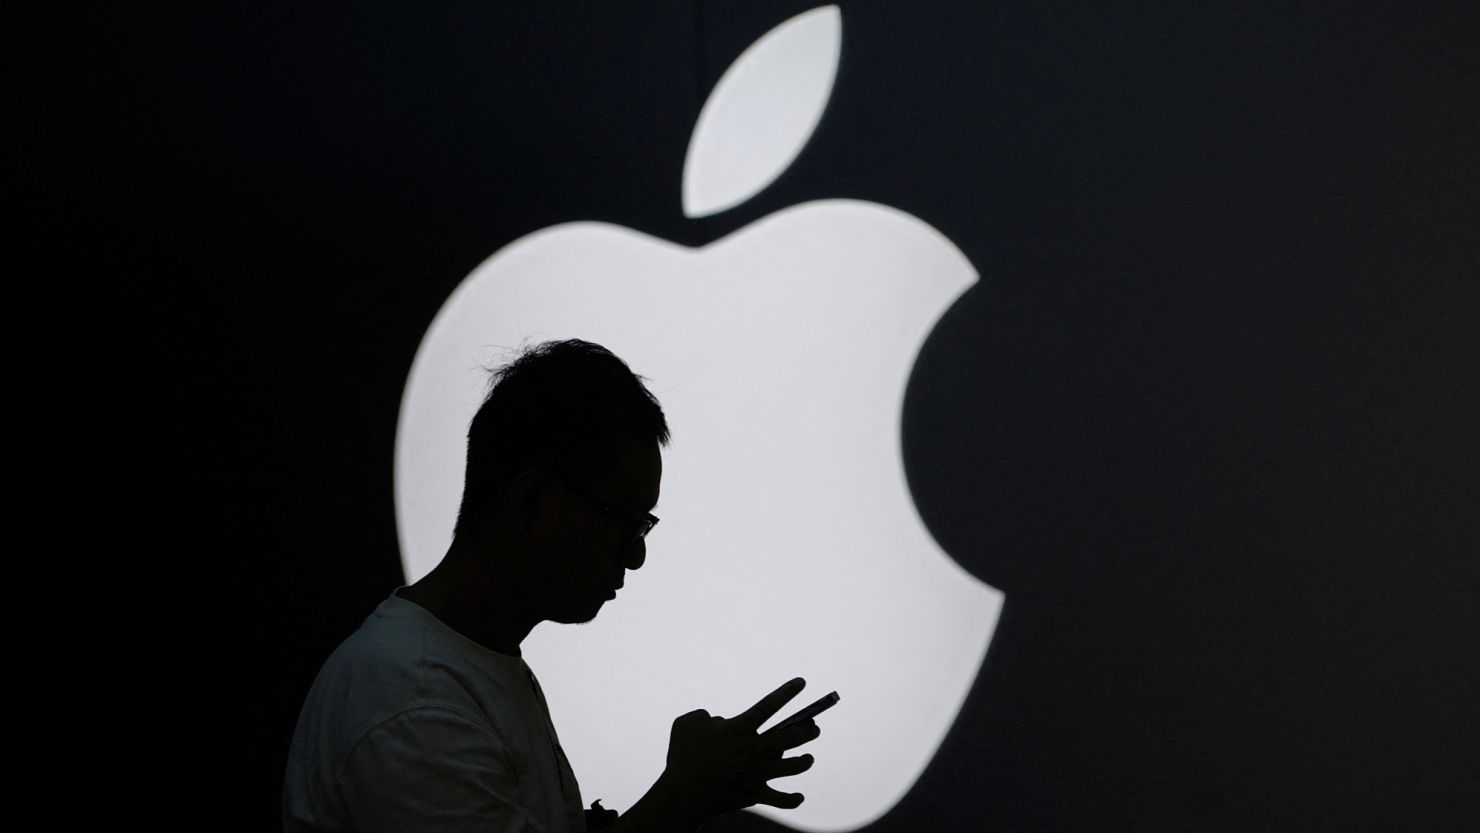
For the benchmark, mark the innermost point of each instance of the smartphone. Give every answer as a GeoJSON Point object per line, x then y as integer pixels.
{"type": "Point", "coordinates": [821, 705]}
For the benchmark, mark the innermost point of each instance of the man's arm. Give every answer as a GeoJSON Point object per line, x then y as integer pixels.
{"type": "Point", "coordinates": [432, 768]}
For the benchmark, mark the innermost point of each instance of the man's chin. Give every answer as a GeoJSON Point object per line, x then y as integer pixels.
{"type": "Point", "coordinates": [581, 616]}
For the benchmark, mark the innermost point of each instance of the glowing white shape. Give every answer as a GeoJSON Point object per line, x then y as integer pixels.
{"type": "Point", "coordinates": [790, 544]}
{"type": "Point", "coordinates": [762, 111]}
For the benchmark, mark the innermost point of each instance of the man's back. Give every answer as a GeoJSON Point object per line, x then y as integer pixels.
{"type": "Point", "coordinates": [411, 725]}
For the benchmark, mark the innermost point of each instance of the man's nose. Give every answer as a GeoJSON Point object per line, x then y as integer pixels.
{"type": "Point", "coordinates": [635, 554]}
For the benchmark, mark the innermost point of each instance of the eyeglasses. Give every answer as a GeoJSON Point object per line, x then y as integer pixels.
{"type": "Point", "coordinates": [642, 525]}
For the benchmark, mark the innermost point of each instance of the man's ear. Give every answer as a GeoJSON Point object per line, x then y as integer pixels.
{"type": "Point", "coordinates": [529, 494]}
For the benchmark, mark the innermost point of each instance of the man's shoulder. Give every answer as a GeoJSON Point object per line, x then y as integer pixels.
{"type": "Point", "coordinates": [387, 658]}
{"type": "Point", "coordinates": [388, 636]}
{"type": "Point", "coordinates": [382, 641]}
{"type": "Point", "coordinates": [396, 686]}
{"type": "Point", "coordinates": [402, 658]}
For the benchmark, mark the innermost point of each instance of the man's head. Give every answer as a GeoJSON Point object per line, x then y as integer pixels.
{"type": "Point", "coordinates": [563, 458]}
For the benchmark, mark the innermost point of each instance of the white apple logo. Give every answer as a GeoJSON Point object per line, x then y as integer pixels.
{"type": "Point", "coordinates": [789, 544]}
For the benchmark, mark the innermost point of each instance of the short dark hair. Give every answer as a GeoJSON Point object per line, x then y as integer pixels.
{"type": "Point", "coordinates": [555, 404]}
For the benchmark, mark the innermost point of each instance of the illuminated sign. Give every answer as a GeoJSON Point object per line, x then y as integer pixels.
{"type": "Point", "coordinates": [790, 544]}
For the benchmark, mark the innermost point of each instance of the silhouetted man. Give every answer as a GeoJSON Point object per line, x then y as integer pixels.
{"type": "Point", "coordinates": [428, 719]}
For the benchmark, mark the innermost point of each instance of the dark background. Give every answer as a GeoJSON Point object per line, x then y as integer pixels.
{"type": "Point", "coordinates": [1209, 418]}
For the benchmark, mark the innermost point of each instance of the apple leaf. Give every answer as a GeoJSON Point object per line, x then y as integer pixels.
{"type": "Point", "coordinates": [762, 112]}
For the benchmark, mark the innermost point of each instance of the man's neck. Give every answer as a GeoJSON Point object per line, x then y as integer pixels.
{"type": "Point", "coordinates": [472, 597]}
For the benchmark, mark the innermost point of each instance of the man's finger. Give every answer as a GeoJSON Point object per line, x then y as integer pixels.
{"type": "Point", "coordinates": [792, 736]}
{"type": "Point", "coordinates": [753, 717]}
{"type": "Point", "coordinates": [776, 798]}
{"type": "Point", "coordinates": [788, 766]}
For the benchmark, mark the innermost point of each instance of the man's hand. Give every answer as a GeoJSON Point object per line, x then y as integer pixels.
{"type": "Point", "coordinates": [716, 764]}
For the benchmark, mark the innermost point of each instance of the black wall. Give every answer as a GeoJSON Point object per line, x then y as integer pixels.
{"type": "Point", "coordinates": [1209, 418]}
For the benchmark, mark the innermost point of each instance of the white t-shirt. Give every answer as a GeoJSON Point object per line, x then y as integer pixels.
{"type": "Point", "coordinates": [411, 726]}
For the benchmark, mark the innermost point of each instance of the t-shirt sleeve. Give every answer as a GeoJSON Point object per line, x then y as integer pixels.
{"type": "Point", "coordinates": [433, 769]}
